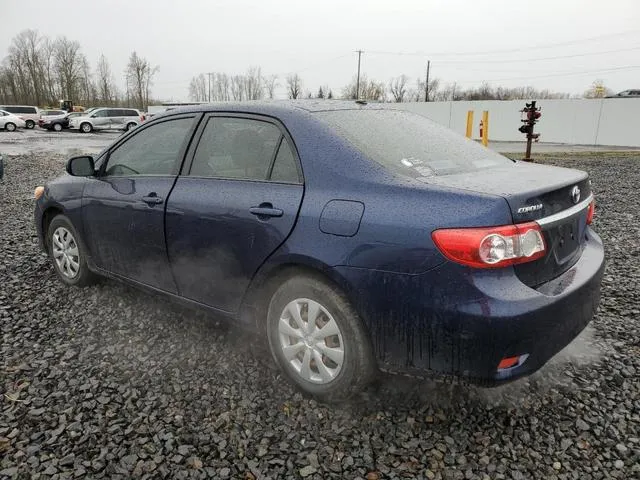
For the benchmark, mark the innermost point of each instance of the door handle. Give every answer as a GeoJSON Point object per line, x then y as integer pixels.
{"type": "Point", "coordinates": [265, 210]}
{"type": "Point", "coordinates": [152, 199]}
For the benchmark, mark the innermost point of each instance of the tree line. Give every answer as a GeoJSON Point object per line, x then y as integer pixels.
{"type": "Point", "coordinates": [42, 71]}
{"type": "Point", "coordinates": [252, 85]}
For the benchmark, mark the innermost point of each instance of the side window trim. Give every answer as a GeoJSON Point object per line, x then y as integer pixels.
{"type": "Point", "coordinates": [284, 134]}
{"type": "Point", "coordinates": [136, 131]}
{"type": "Point", "coordinates": [273, 158]}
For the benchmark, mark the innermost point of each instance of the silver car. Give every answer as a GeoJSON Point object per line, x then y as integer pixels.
{"type": "Point", "coordinates": [107, 119]}
{"type": "Point", "coordinates": [29, 114]}
{"type": "Point", "coordinates": [9, 121]}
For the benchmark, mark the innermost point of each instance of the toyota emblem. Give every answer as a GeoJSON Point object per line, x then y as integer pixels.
{"type": "Point", "coordinates": [575, 194]}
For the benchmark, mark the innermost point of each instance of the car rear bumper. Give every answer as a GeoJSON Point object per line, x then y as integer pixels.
{"type": "Point", "coordinates": [463, 322]}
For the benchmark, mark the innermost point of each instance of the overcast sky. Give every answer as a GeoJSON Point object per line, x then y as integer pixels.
{"type": "Point", "coordinates": [467, 41]}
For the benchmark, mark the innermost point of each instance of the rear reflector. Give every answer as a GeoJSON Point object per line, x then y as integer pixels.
{"type": "Point", "coordinates": [591, 212]}
{"type": "Point", "coordinates": [510, 362]}
{"type": "Point", "coordinates": [491, 247]}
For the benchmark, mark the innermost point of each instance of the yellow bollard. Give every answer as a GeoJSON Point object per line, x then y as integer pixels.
{"type": "Point", "coordinates": [469, 123]}
{"type": "Point", "coordinates": [485, 128]}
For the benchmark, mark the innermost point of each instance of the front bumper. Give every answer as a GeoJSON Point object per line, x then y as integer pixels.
{"type": "Point", "coordinates": [461, 321]}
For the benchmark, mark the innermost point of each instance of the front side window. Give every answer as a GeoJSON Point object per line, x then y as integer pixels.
{"type": "Point", "coordinates": [235, 148]}
{"type": "Point", "coordinates": [100, 114]}
{"type": "Point", "coordinates": [152, 151]}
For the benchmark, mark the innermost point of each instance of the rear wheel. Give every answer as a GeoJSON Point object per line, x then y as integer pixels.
{"type": "Point", "coordinates": [10, 127]}
{"type": "Point", "coordinates": [68, 253]}
{"type": "Point", "coordinates": [130, 126]}
{"type": "Point", "coordinates": [57, 127]}
{"type": "Point", "coordinates": [30, 124]}
{"type": "Point", "coordinates": [318, 339]}
{"type": "Point", "coordinates": [86, 127]}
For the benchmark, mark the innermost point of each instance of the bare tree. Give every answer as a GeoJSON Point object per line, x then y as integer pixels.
{"type": "Point", "coordinates": [398, 88]}
{"type": "Point", "coordinates": [223, 87]}
{"type": "Point", "coordinates": [70, 65]}
{"type": "Point", "coordinates": [294, 86]}
{"type": "Point", "coordinates": [105, 82]}
{"type": "Point", "coordinates": [369, 90]}
{"type": "Point", "coordinates": [199, 89]}
{"type": "Point", "coordinates": [140, 75]}
{"type": "Point", "coordinates": [270, 85]}
{"type": "Point", "coordinates": [253, 84]}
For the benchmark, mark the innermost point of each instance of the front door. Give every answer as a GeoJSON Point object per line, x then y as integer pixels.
{"type": "Point", "coordinates": [234, 208]}
{"type": "Point", "coordinates": [100, 119]}
{"type": "Point", "coordinates": [124, 206]}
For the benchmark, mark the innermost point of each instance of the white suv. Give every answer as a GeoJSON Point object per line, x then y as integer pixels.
{"type": "Point", "coordinates": [107, 119]}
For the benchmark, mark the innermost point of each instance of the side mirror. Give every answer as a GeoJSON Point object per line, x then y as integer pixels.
{"type": "Point", "coordinates": [81, 166]}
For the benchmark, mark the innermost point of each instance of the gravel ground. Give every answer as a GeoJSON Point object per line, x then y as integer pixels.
{"type": "Point", "coordinates": [109, 382]}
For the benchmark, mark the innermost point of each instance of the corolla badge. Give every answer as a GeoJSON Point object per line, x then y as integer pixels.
{"type": "Point", "coordinates": [530, 208]}
{"type": "Point", "coordinates": [575, 194]}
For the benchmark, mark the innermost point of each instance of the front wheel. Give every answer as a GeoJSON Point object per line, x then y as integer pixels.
{"type": "Point", "coordinates": [318, 339]}
{"type": "Point", "coordinates": [10, 127]}
{"type": "Point", "coordinates": [57, 127]}
{"type": "Point", "coordinates": [86, 128]}
{"type": "Point", "coordinates": [68, 253]}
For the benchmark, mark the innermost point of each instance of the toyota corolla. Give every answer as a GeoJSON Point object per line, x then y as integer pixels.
{"type": "Point", "coordinates": [352, 237]}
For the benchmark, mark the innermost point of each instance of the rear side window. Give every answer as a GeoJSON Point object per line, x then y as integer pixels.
{"type": "Point", "coordinates": [129, 113]}
{"type": "Point", "coordinates": [17, 110]}
{"type": "Point", "coordinates": [285, 167]}
{"type": "Point", "coordinates": [235, 148]}
{"type": "Point", "coordinates": [410, 145]}
{"type": "Point", "coordinates": [152, 151]}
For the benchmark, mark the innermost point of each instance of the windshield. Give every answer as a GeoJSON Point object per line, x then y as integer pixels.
{"type": "Point", "coordinates": [409, 144]}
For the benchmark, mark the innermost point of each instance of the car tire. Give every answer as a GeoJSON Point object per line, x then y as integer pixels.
{"type": "Point", "coordinates": [68, 253]}
{"type": "Point", "coordinates": [57, 127]}
{"type": "Point", "coordinates": [86, 127]}
{"type": "Point", "coordinates": [10, 127]}
{"type": "Point", "coordinates": [130, 126]}
{"type": "Point", "coordinates": [332, 366]}
{"type": "Point", "coordinates": [30, 124]}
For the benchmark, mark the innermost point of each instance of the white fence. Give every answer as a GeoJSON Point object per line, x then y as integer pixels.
{"type": "Point", "coordinates": [609, 121]}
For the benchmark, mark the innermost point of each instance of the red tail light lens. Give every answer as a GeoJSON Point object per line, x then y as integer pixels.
{"type": "Point", "coordinates": [591, 212]}
{"type": "Point", "coordinates": [491, 247]}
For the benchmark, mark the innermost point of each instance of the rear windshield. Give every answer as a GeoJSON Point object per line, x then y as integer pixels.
{"type": "Point", "coordinates": [409, 144]}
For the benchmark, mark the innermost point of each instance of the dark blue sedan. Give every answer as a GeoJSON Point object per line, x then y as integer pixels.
{"type": "Point", "coordinates": [354, 237]}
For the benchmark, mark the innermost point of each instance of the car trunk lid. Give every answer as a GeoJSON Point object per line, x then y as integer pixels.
{"type": "Point", "coordinates": [555, 197]}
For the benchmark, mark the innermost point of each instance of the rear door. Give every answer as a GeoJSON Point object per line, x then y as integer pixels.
{"type": "Point", "coordinates": [123, 208]}
{"type": "Point", "coordinates": [234, 205]}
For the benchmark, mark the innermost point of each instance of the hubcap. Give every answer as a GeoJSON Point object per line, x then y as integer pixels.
{"type": "Point", "coordinates": [311, 341]}
{"type": "Point", "coordinates": [65, 252]}
{"type": "Point", "coordinates": [11, 127]}
{"type": "Point", "coordinates": [86, 128]}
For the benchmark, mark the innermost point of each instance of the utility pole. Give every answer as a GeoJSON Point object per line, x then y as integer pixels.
{"type": "Point", "coordinates": [209, 75]}
{"type": "Point", "coordinates": [360, 52]}
{"type": "Point", "coordinates": [426, 84]}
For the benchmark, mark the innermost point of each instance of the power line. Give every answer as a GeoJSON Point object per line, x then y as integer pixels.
{"type": "Point", "coordinates": [519, 49]}
{"type": "Point", "coordinates": [538, 59]}
{"type": "Point", "coordinates": [564, 74]}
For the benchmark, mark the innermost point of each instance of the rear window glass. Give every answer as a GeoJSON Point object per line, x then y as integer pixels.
{"type": "Point", "coordinates": [409, 144]}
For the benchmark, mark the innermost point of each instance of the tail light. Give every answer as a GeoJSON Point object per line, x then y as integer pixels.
{"type": "Point", "coordinates": [591, 212]}
{"type": "Point", "coordinates": [142, 117]}
{"type": "Point", "coordinates": [491, 247]}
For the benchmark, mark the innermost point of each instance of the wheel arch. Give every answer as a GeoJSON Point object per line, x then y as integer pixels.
{"type": "Point", "coordinates": [272, 274]}
{"type": "Point", "coordinates": [47, 216]}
